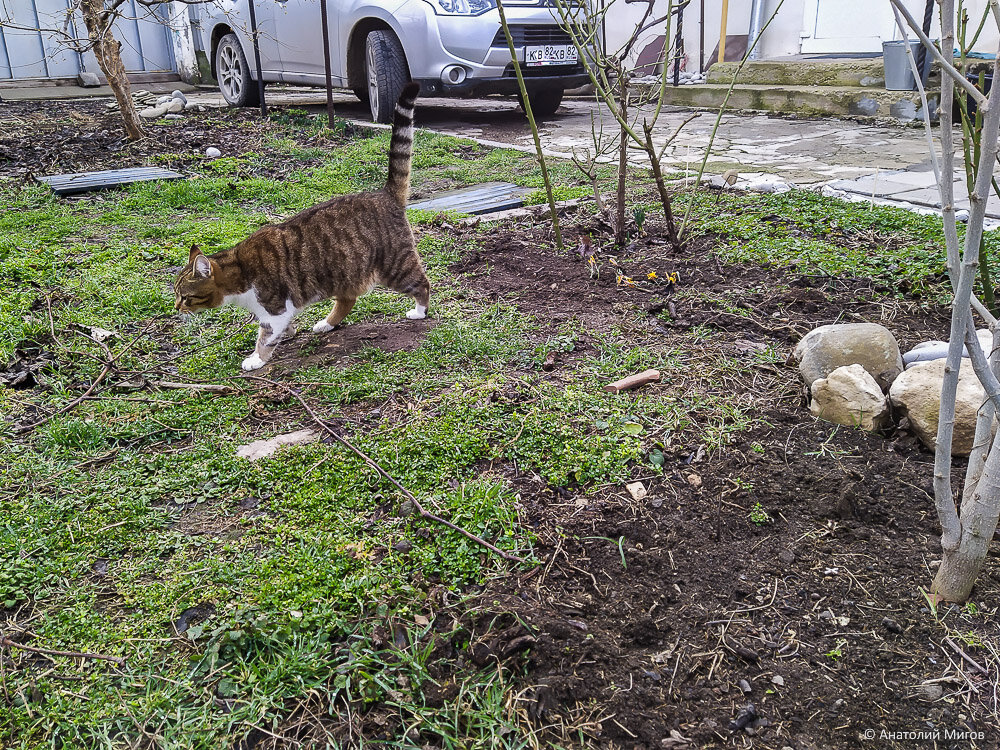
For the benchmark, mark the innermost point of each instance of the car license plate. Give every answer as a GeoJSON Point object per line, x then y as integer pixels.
{"type": "Point", "coordinates": [550, 54]}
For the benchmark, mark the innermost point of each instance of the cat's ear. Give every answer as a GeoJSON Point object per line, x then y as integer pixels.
{"type": "Point", "coordinates": [195, 252]}
{"type": "Point", "coordinates": [202, 267]}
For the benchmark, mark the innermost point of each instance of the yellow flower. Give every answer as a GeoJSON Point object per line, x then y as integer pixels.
{"type": "Point", "coordinates": [651, 275]}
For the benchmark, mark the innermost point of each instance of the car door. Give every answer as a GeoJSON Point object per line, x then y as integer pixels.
{"type": "Point", "coordinates": [299, 30]}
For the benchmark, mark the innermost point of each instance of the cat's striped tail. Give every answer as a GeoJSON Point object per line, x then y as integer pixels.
{"type": "Point", "coordinates": [401, 145]}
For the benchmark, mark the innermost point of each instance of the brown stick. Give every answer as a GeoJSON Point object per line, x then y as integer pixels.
{"type": "Point", "coordinates": [423, 512]}
{"type": "Point", "coordinates": [633, 381]}
{"type": "Point", "coordinates": [5, 641]}
{"type": "Point", "coordinates": [207, 387]}
{"type": "Point", "coordinates": [28, 427]}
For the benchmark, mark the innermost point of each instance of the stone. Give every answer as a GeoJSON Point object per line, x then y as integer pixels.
{"type": "Point", "coordinates": [263, 448]}
{"type": "Point", "coordinates": [165, 99]}
{"type": "Point", "coordinates": [212, 152]}
{"type": "Point", "coordinates": [88, 80]}
{"type": "Point", "coordinates": [173, 116]}
{"type": "Point", "coordinates": [851, 397]}
{"type": "Point", "coordinates": [179, 95]}
{"type": "Point", "coordinates": [824, 349]}
{"type": "Point", "coordinates": [928, 350]}
{"type": "Point", "coordinates": [637, 490]}
{"type": "Point", "coordinates": [916, 395]}
{"type": "Point", "coordinates": [152, 113]}
{"type": "Point", "coordinates": [175, 105]}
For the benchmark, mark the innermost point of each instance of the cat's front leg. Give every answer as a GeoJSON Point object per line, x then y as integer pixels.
{"type": "Point", "coordinates": [272, 330]}
{"type": "Point", "coordinates": [266, 342]}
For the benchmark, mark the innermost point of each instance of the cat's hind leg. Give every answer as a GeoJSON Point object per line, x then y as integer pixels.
{"type": "Point", "coordinates": [409, 278]}
{"type": "Point", "coordinates": [340, 310]}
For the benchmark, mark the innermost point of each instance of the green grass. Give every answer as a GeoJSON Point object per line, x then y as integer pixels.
{"type": "Point", "coordinates": [133, 508]}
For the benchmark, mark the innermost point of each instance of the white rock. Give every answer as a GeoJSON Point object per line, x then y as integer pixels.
{"type": "Point", "coordinates": [173, 116]}
{"type": "Point", "coordinates": [828, 192]}
{"type": "Point", "coordinates": [637, 490]}
{"type": "Point", "coordinates": [916, 394]}
{"type": "Point", "coordinates": [179, 95]}
{"type": "Point", "coordinates": [212, 152]}
{"type": "Point", "coordinates": [263, 448]}
{"type": "Point", "coordinates": [851, 397]}
{"type": "Point", "coordinates": [165, 99]}
{"type": "Point", "coordinates": [962, 215]}
{"type": "Point", "coordinates": [151, 113]}
{"type": "Point", "coordinates": [175, 105]}
{"type": "Point", "coordinates": [929, 350]}
{"type": "Point", "coordinates": [824, 349]}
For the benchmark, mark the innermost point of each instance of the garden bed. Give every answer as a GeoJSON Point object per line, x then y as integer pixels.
{"type": "Point", "coordinates": [299, 601]}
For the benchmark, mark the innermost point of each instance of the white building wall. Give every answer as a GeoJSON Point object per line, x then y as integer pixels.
{"type": "Point", "coordinates": [784, 34]}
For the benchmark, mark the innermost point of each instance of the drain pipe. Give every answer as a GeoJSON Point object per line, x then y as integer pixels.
{"type": "Point", "coordinates": [756, 19]}
{"type": "Point", "coordinates": [722, 34]}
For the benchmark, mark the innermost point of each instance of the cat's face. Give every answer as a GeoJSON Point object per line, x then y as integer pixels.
{"type": "Point", "coordinates": [196, 289]}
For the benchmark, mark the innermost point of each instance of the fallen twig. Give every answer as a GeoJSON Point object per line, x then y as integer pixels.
{"type": "Point", "coordinates": [423, 512]}
{"type": "Point", "coordinates": [964, 655]}
{"type": "Point", "coordinates": [5, 641]}
{"type": "Point", "coordinates": [206, 387]}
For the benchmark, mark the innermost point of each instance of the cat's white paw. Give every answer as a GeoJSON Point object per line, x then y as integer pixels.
{"type": "Point", "coordinates": [322, 327]}
{"type": "Point", "coordinates": [253, 362]}
{"type": "Point", "coordinates": [417, 313]}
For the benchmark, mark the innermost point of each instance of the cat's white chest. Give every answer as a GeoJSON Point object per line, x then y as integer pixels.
{"type": "Point", "coordinates": [248, 300]}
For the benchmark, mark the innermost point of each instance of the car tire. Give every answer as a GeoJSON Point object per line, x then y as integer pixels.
{"type": "Point", "coordinates": [543, 102]}
{"type": "Point", "coordinates": [386, 73]}
{"type": "Point", "coordinates": [233, 74]}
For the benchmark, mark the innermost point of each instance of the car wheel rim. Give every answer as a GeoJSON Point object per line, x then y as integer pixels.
{"type": "Point", "coordinates": [372, 81]}
{"type": "Point", "coordinates": [230, 73]}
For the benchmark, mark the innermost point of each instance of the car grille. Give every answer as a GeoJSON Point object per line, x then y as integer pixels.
{"type": "Point", "coordinates": [543, 71]}
{"type": "Point", "coordinates": [532, 35]}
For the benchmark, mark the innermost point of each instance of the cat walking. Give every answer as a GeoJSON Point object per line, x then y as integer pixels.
{"type": "Point", "coordinates": [337, 250]}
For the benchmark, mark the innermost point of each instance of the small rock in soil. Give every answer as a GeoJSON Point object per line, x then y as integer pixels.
{"type": "Point", "coordinates": [212, 152]}
{"type": "Point", "coordinates": [637, 490]}
{"type": "Point", "coordinates": [778, 680]}
{"type": "Point", "coordinates": [931, 692]}
{"type": "Point", "coordinates": [173, 116]}
{"type": "Point", "coordinates": [891, 625]}
{"type": "Point", "coordinates": [786, 556]}
{"type": "Point", "coordinates": [744, 718]}
{"type": "Point", "coordinates": [744, 686]}
{"type": "Point", "coordinates": [402, 546]}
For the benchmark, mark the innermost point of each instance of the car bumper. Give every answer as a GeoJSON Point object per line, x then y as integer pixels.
{"type": "Point", "coordinates": [479, 46]}
{"type": "Point", "coordinates": [502, 85]}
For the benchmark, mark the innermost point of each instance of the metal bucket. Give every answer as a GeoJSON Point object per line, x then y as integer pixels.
{"type": "Point", "coordinates": [898, 76]}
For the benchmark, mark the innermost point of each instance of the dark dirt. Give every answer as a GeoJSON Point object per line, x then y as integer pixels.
{"type": "Point", "coordinates": [649, 613]}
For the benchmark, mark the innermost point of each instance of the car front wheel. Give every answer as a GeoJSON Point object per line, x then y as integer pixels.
{"type": "Point", "coordinates": [544, 102]}
{"type": "Point", "coordinates": [233, 73]}
{"type": "Point", "coordinates": [386, 72]}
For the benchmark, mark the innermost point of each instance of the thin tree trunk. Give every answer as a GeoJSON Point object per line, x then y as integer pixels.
{"type": "Point", "coordinates": [107, 50]}
{"type": "Point", "coordinates": [654, 163]}
{"type": "Point", "coordinates": [622, 161]}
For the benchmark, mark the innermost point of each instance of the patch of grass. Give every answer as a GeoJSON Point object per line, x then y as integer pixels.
{"type": "Point", "coordinates": [825, 235]}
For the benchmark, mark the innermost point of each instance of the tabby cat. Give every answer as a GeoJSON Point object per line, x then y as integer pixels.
{"type": "Point", "coordinates": [339, 249]}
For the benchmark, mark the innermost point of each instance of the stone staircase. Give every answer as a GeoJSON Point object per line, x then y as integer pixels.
{"type": "Point", "coordinates": [801, 85]}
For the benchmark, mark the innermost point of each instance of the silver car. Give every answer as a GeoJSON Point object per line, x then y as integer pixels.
{"type": "Point", "coordinates": [451, 47]}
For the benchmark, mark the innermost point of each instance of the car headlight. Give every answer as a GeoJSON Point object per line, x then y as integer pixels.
{"type": "Point", "coordinates": [462, 7]}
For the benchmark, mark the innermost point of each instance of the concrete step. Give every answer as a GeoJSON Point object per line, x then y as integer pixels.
{"type": "Point", "coordinates": [865, 72]}
{"type": "Point", "coordinates": [802, 100]}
